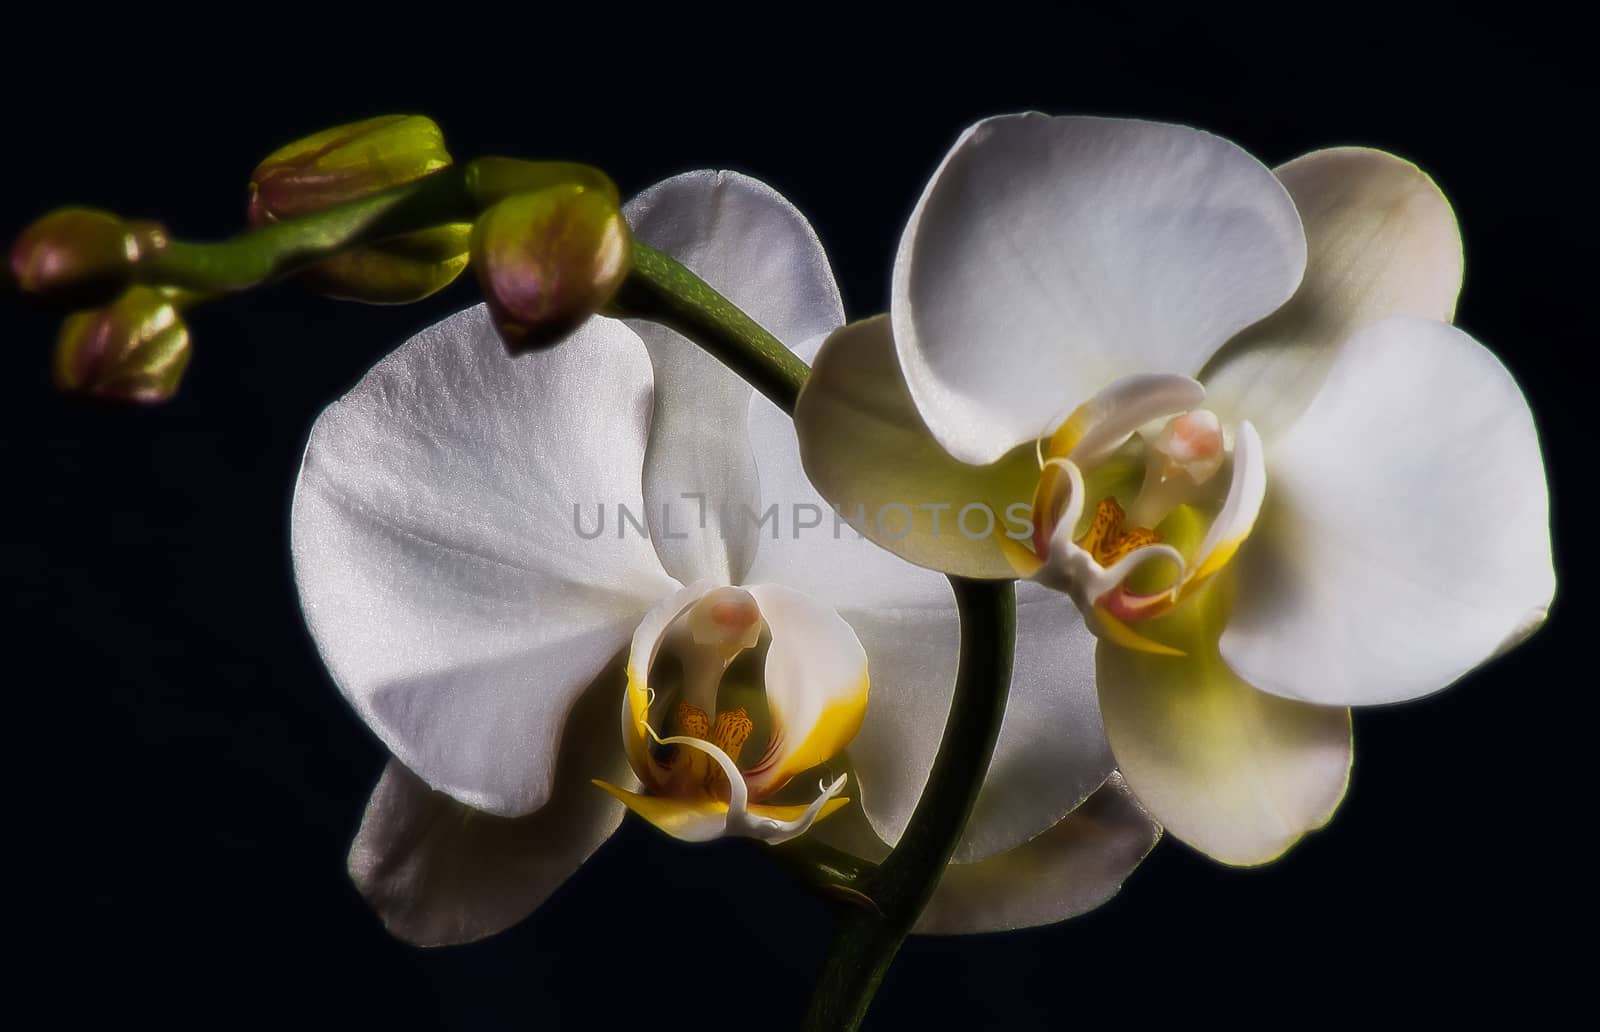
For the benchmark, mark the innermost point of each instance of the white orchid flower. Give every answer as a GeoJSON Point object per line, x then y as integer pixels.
{"type": "Point", "coordinates": [445, 546]}
{"type": "Point", "coordinates": [1129, 353]}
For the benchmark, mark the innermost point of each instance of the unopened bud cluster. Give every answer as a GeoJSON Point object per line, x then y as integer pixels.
{"type": "Point", "coordinates": [551, 249]}
{"type": "Point", "coordinates": [350, 162]}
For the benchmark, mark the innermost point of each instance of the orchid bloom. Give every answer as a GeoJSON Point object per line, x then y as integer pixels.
{"type": "Point", "coordinates": [1224, 411]}
{"type": "Point", "coordinates": [539, 583]}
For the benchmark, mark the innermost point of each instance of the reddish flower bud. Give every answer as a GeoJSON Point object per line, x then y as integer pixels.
{"type": "Point", "coordinates": [548, 260]}
{"type": "Point", "coordinates": [344, 163]}
{"type": "Point", "coordinates": [353, 161]}
{"type": "Point", "coordinates": [134, 349]}
{"type": "Point", "coordinates": [80, 255]}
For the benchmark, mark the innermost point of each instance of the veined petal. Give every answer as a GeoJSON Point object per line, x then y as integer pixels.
{"type": "Point", "coordinates": [1382, 241]}
{"type": "Point", "coordinates": [752, 245]}
{"type": "Point", "coordinates": [816, 684]}
{"type": "Point", "coordinates": [871, 456]}
{"type": "Point", "coordinates": [1405, 537]}
{"type": "Point", "coordinates": [1051, 256]}
{"type": "Point", "coordinates": [440, 535]}
{"type": "Point", "coordinates": [1068, 870]}
{"type": "Point", "coordinates": [1236, 773]}
{"type": "Point", "coordinates": [440, 873]}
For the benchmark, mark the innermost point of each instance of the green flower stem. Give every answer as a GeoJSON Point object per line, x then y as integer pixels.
{"type": "Point", "coordinates": [457, 193]}
{"type": "Point", "coordinates": [869, 937]}
{"type": "Point", "coordinates": [831, 871]}
{"type": "Point", "coordinates": [663, 291]}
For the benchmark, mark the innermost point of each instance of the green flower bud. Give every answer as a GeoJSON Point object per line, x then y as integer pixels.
{"type": "Point", "coordinates": [134, 349]}
{"type": "Point", "coordinates": [80, 256]}
{"type": "Point", "coordinates": [343, 163]}
{"type": "Point", "coordinates": [354, 161]}
{"type": "Point", "coordinates": [396, 271]}
{"type": "Point", "coordinates": [548, 260]}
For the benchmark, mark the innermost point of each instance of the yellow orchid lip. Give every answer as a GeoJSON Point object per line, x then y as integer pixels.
{"type": "Point", "coordinates": [702, 820]}
{"type": "Point", "coordinates": [1093, 565]}
{"type": "Point", "coordinates": [815, 684]}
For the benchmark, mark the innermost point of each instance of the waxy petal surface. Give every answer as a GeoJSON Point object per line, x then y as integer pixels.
{"type": "Point", "coordinates": [747, 241]}
{"type": "Point", "coordinates": [1050, 256]}
{"type": "Point", "coordinates": [440, 873]}
{"type": "Point", "coordinates": [1406, 532]}
{"type": "Point", "coordinates": [1236, 773]}
{"type": "Point", "coordinates": [440, 565]}
{"type": "Point", "coordinates": [1381, 241]}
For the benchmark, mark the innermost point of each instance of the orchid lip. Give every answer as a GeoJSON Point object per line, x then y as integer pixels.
{"type": "Point", "coordinates": [815, 686]}
{"type": "Point", "coordinates": [1182, 453]}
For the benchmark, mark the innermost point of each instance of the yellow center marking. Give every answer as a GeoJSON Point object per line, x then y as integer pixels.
{"type": "Point", "coordinates": [1106, 540]}
{"type": "Point", "coordinates": [729, 733]}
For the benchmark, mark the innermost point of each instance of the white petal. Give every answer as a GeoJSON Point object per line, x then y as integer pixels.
{"type": "Point", "coordinates": [1051, 256]}
{"type": "Point", "coordinates": [811, 547]}
{"type": "Point", "coordinates": [1068, 870]}
{"type": "Point", "coordinates": [1405, 537]}
{"type": "Point", "coordinates": [1381, 241]}
{"type": "Point", "coordinates": [870, 454]}
{"type": "Point", "coordinates": [912, 655]}
{"type": "Point", "coordinates": [1236, 773]}
{"type": "Point", "coordinates": [439, 567]}
{"type": "Point", "coordinates": [439, 873]}
{"type": "Point", "coordinates": [752, 245]}
{"type": "Point", "coordinates": [1051, 752]}
{"type": "Point", "coordinates": [816, 683]}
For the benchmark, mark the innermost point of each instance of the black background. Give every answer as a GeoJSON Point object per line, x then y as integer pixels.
{"type": "Point", "coordinates": [182, 778]}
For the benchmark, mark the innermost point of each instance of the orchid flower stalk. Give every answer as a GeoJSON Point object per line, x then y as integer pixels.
{"type": "Point", "coordinates": [1194, 440]}
{"type": "Point", "coordinates": [691, 782]}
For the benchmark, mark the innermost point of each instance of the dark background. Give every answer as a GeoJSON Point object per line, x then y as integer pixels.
{"type": "Point", "coordinates": [183, 779]}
